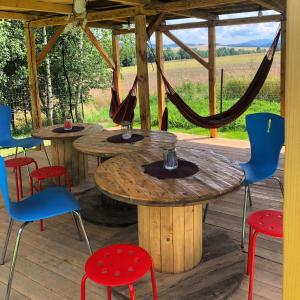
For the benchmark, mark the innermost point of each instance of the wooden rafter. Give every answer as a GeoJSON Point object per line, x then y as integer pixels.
{"type": "Point", "coordinates": [99, 47]}
{"type": "Point", "coordinates": [196, 13]}
{"type": "Point", "coordinates": [155, 22]}
{"type": "Point", "coordinates": [37, 6]}
{"type": "Point", "coordinates": [16, 16]}
{"type": "Point", "coordinates": [271, 4]}
{"type": "Point", "coordinates": [49, 45]}
{"type": "Point", "coordinates": [190, 51]}
{"type": "Point", "coordinates": [132, 2]}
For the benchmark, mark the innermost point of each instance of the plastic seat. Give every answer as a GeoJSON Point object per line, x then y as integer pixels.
{"type": "Point", "coordinates": [266, 135]}
{"type": "Point", "coordinates": [48, 203]}
{"type": "Point", "coordinates": [268, 222]}
{"type": "Point", "coordinates": [17, 164]}
{"type": "Point", "coordinates": [118, 265]}
{"type": "Point", "coordinates": [49, 173]}
{"type": "Point", "coordinates": [7, 140]}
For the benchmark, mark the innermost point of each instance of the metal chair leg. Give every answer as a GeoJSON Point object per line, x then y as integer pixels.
{"type": "Point", "coordinates": [205, 212]}
{"type": "Point", "coordinates": [25, 155]}
{"type": "Point", "coordinates": [80, 223]}
{"type": "Point", "coordinates": [280, 184]}
{"type": "Point", "coordinates": [244, 216]}
{"type": "Point", "coordinates": [14, 259]}
{"type": "Point", "coordinates": [46, 153]}
{"type": "Point", "coordinates": [77, 227]}
{"type": "Point", "coordinates": [249, 196]}
{"type": "Point", "coordinates": [16, 154]}
{"type": "Point", "coordinates": [11, 223]}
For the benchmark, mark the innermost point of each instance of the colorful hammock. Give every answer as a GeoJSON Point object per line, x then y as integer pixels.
{"type": "Point", "coordinates": [236, 110]}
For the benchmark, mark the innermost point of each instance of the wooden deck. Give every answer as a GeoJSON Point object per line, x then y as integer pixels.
{"type": "Point", "coordinates": [50, 264]}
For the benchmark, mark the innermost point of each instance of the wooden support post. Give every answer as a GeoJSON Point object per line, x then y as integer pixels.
{"type": "Point", "coordinates": [212, 74]}
{"type": "Point", "coordinates": [142, 70]}
{"type": "Point", "coordinates": [33, 78]}
{"type": "Point", "coordinates": [282, 68]}
{"type": "Point", "coordinates": [291, 258]}
{"type": "Point", "coordinates": [116, 60]}
{"type": "Point", "coordinates": [160, 83]}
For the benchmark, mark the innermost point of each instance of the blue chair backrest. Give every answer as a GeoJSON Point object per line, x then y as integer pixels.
{"type": "Point", "coordinates": [5, 121]}
{"type": "Point", "coordinates": [3, 184]}
{"type": "Point", "coordinates": [266, 135]}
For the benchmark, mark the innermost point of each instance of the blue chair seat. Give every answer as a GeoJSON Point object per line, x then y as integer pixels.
{"type": "Point", "coordinates": [22, 143]}
{"type": "Point", "coordinates": [48, 203]}
{"type": "Point", "coordinates": [257, 172]}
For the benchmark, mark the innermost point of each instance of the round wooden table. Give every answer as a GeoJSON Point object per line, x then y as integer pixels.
{"type": "Point", "coordinates": [62, 150]}
{"type": "Point", "coordinates": [169, 210]}
{"type": "Point", "coordinates": [98, 145]}
{"type": "Point", "coordinates": [98, 208]}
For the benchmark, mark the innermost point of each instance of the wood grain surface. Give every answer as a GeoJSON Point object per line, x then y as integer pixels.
{"type": "Point", "coordinates": [98, 145]}
{"type": "Point", "coordinates": [46, 133]}
{"type": "Point", "coordinates": [123, 179]}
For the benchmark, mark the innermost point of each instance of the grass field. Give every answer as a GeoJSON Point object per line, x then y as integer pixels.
{"type": "Point", "coordinates": [190, 80]}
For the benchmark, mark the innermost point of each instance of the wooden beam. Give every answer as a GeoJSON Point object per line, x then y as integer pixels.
{"type": "Point", "coordinates": [271, 4]}
{"type": "Point", "coordinates": [155, 22]}
{"type": "Point", "coordinates": [291, 245]}
{"type": "Point", "coordinates": [116, 60]}
{"type": "Point", "coordinates": [49, 45]}
{"type": "Point", "coordinates": [33, 5]}
{"type": "Point", "coordinates": [160, 84]}
{"type": "Point", "coordinates": [226, 22]}
{"type": "Point", "coordinates": [124, 31]}
{"type": "Point", "coordinates": [190, 51]}
{"type": "Point", "coordinates": [283, 68]}
{"type": "Point", "coordinates": [33, 77]}
{"type": "Point", "coordinates": [197, 13]}
{"type": "Point", "coordinates": [132, 2]}
{"type": "Point", "coordinates": [142, 70]}
{"type": "Point", "coordinates": [16, 16]}
{"type": "Point", "coordinates": [98, 46]}
{"type": "Point", "coordinates": [212, 51]}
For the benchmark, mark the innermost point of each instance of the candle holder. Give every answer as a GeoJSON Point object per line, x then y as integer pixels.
{"type": "Point", "coordinates": [126, 130]}
{"type": "Point", "coordinates": [68, 124]}
{"type": "Point", "coordinates": [170, 158]}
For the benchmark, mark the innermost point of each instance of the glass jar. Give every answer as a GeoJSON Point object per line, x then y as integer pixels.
{"type": "Point", "coordinates": [170, 159]}
{"type": "Point", "coordinates": [68, 124]}
{"type": "Point", "coordinates": [126, 130]}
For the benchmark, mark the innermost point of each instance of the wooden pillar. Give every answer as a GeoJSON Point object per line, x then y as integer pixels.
{"type": "Point", "coordinates": [212, 73]}
{"type": "Point", "coordinates": [160, 84]}
{"type": "Point", "coordinates": [142, 70]}
{"type": "Point", "coordinates": [283, 67]}
{"type": "Point", "coordinates": [291, 262]}
{"type": "Point", "coordinates": [33, 78]}
{"type": "Point", "coordinates": [116, 59]}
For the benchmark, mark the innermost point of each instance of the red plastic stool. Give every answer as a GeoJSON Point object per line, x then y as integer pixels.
{"type": "Point", "coordinates": [49, 173]}
{"type": "Point", "coordinates": [118, 265]}
{"type": "Point", "coordinates": [268, 222]}
{"type": "Point", "coordinates": [16, 164]}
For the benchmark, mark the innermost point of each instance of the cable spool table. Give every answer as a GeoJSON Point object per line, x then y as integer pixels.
{"type": "Point", "coordinates": [169, 210]}
{"type": "Point", "coordinates": [106, 144]}
{"type": "Point", "coordinates": [62, 151]}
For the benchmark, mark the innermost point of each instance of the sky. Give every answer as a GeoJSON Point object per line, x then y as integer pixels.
{"type": "Point", "coordinates": [227, 34]}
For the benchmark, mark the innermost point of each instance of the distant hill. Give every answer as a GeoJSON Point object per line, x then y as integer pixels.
{"type": "Point", "coordinates": [262, 43]}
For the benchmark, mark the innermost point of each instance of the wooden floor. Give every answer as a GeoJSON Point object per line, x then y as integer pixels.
{"type": "Point", "coordinates": [50, 264]}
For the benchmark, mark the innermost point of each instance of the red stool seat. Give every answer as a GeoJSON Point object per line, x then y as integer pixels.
{"type": "Point", "coordinates": [268, 222]}
{"type": "Point", "coordinates": [118, 265]}
{"type": "Point", "coordinates": [48, 172]}
{"type": "Point", "coordinates": [19, 162]}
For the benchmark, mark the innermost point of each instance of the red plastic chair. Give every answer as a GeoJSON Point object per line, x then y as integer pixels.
{"type": "Point", "coordinates": [268, 222]}
{"type": "Point", "coordinates": [49, 173]}
{"type": "Point", "coordinates": [118, 265]}
{"type": "Point", "coordinates": [17, 164]}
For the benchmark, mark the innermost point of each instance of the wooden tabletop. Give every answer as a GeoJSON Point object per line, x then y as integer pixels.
{"type": "Point", "coordinates": [46, 133]}
{"type": "Point", "coordinates": [98, 145]}
{"type": "Point", "coordinates": [123, 179]}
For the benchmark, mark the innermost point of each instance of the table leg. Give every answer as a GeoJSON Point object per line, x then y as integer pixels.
{"type": "Point", "coordinates": [172, 236]}
{"type": "Point", "coordinates": [64, 154]}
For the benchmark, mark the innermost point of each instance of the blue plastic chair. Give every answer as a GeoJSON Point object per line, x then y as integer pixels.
{"type": "Point", "coordinates": [266, 135]}
{"type": "Point", "coordinates": [6, 139]}
{"type": "Point", "coordinates": [48, 203]}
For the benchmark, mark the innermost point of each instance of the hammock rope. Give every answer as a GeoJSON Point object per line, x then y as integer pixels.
{"type": "Point", "coordinates": [230, 115]}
